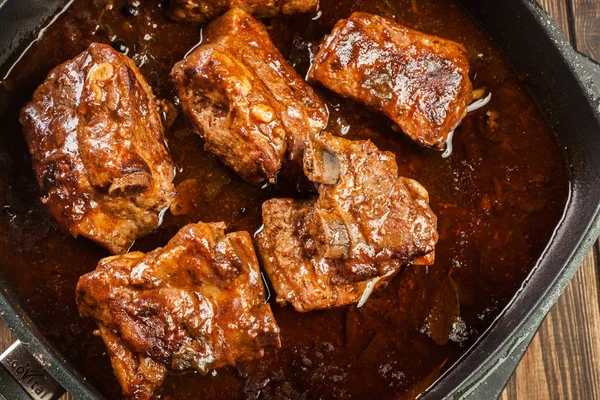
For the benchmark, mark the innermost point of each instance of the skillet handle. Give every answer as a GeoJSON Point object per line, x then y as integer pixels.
{"type": "Point", "coordinates": [23, 377]}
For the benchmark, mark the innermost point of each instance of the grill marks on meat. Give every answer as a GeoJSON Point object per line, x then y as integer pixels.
{"type": "Point", "coordinates": [98, 150]}
{"type": "Point", "coordinates": [366, 224]}
{"type": "Point", "coordinates": [252, 109]}
{"type": "Point", "coordinates": [419, 81]}
{"type": "Point", "coordinates": [198, 303]}
{"type": "Point", "coordinates": [202, 11]}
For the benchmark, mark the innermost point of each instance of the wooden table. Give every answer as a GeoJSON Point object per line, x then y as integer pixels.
{"type": "Point", "coordinates": [563, 361]}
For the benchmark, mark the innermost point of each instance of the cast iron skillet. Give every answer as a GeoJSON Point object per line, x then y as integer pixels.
{"type": "Point", "coordinates": [562, 83]}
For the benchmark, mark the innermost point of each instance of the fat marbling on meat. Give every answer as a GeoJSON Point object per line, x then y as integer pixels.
{"type": "Point", "coordinates": [421, 82]}
{"type": "Point", "coordinates": [366, 224]}
{"type": "Point", "coordinates": [97, 144]}
{"type": "Point", "coordinates": [202, 11]}
{"type": "Point", "coordinates": [196, 304]}
{"type": "Point", "coordinates": [252, 109]}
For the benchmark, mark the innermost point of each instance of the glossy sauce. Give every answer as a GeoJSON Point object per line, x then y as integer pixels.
{"type": "Point", "coordinates": [498, 198]}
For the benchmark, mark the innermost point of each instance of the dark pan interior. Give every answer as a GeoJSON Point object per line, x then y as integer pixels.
{"type": "Point", "coordinates": [557, 78]}
{"type": "Point", "coordinates": [553, 73]}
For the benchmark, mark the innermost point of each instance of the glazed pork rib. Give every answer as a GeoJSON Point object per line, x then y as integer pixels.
{"type": "Point", "coordinates": [202, 11]}
{"type": "Point", "coordinates": [252, 109]}
{"type": "Point", "coordinates": [98, 150]}
{"type": "Point", "coordinates": [299, 273]}
{"type": "Point", "coordinates": [198, 303]}
{"type": "Point", "coordinates": [419, 81]}
{"type": "Point", "coordinates": [365, 225]}
{"type": "Point", "coordinates": [383, 216]}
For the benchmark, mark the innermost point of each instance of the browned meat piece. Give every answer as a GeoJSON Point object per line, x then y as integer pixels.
{"type": "Point", "coordinates": [249, 105]}
{"type": "Point", "coordinates": [361, 198]}
{"type": "Point", "coordinates": [419, 81]}
{"type": "Point", "coordinates": [202, 11]}
{"type": "Point", "coordinates": [198, 303]}
{"type": "Point", "coordinates": [300, 274]}
{"type": "Point", "coordinates": [366, 224]}
{"type": "Point", "coordinates": [96, 140]}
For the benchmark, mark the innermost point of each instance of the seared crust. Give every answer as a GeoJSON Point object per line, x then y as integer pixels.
{"type": "Point", "coordinates": [250, 107]}
{"type": "Point", "coordinates": [198, 303]}
{"type": "Point", "coordinates": [97, 144]}
{"type": "Point", "coordinates": [419, 81]}
{"type": "Point", "coordinates": [301, 277]}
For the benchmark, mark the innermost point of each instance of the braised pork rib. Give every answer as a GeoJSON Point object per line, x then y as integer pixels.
{"type": "Point", "coordinates": [421, 82]}
{"type": "Point", "coordinates": [98, 149]}
{"type": "Point", "coordinates": [196, 304]}
{"type": "Point", "coordinates": [365, 225]}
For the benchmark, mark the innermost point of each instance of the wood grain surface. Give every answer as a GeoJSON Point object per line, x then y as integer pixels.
{"type": "Point", "coordinates": [584, 16]}
{"type": "Point", "coordinates": [563, 361]}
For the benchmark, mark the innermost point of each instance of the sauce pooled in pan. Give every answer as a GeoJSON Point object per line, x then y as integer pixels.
{"type": "Point", "coordinates": [498, 197]}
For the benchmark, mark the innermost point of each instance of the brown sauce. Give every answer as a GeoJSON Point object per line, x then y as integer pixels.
{"type": "Point", "coordinates": [498, 199]}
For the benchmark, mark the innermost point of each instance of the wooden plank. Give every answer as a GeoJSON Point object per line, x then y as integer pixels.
{"type": "Point", "coordinates": [585, 19]}
{"type": "Point", "coordinates": [559, 10]}
{"type": "Point", "coordinates": [561, 362]}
